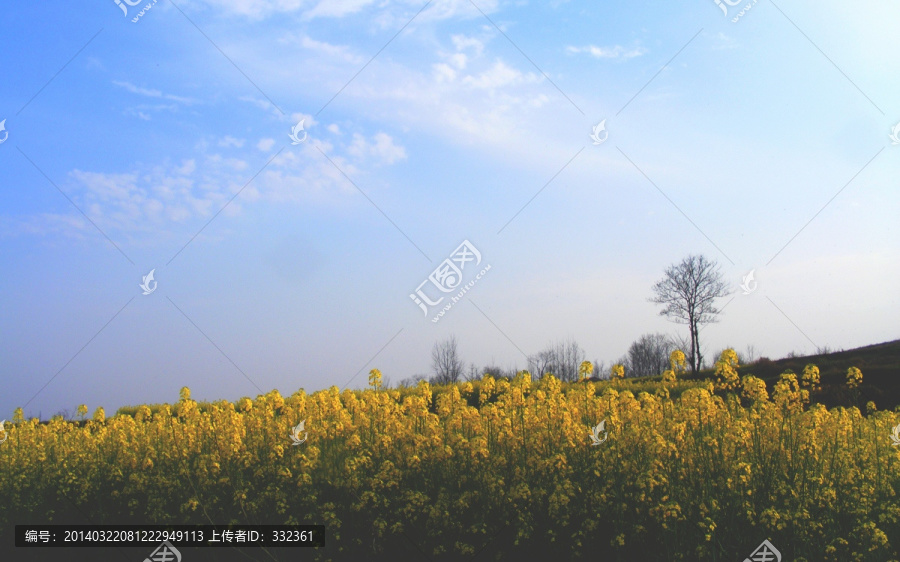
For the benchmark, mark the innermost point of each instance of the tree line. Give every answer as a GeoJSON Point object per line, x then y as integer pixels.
{"type": "Point", "coordinates": [687, 293]}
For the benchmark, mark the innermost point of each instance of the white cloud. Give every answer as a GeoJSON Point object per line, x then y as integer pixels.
{"type": "Point", "coordinates": [722, 41]}
{"type": "Point", "coordinates": [257, 8]}
{"type": "Point", "coordinates": [153, 93]}
{"type": "Point", "coordinates": [187, 168]}
{"type": "Point", "coordinates": [608, 52]}
{"type": "Point", "coordinates": [383, 148]}
{"type": "Point", "coordinates": [492, 103]}
{"type": "Point", "coordinates": [140, 110]}
{"type": "Point", "coordinates": [150, 199]}
{"type": "Point", "coordinates": [263, 104]}
{"type": "Point", "coordinates": [337, 51]}
{"type": "Point", "coordinates": [443, 72]}
{"type": "Point", "coordinates": [458, 9]}
{"type": "Point", "coordinates": [459, 60]}
{"type": "Point", "coordinates": [442, 100]}
{"type": "Point", "coordinates": [461, 42]}
{"type": "Point", "coordinates": [498, 76]}
{"type": "Point", "coordinates": [135, 201]}
{"type": "Point", "coordinates": [337, 8]}
{"type": "Point", "coordinates": [308, 120]}
{"type": "Point", "coordinates": [388, 13]}
{"type": "Point", "coordinates": [218, 162]}
{"type": "Point", "coordinates": [228, 141]}
{"type": "Point", "coordinates": [142, 200]}
{"type": "Point", "coordinates": [386, 149]}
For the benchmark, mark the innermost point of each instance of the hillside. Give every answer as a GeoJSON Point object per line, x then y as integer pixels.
{"type": "Point", "coordinates": [879, 363]}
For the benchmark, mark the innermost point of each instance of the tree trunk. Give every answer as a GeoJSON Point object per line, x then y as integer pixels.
{"type": "Point", "coordinates": [694, 345]}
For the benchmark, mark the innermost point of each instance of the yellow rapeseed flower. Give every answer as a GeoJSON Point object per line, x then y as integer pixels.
{"type": "Point", "coordinates": [617, 372]}
{"type": "Point", "coordinates": [585, 369]}
{"type": "Point", "coordinates": [677, 361]}
{"type": "Point", "coordinates": [854, 377]}
{"type": "Point", "coordinates": [375, 379]}
{"type": "Point", "coordinates": [726, 370]}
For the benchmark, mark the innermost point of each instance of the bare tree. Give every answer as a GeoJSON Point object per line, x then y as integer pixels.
{"type": "Point", "coordinates": [562, 359]}
{"type": "Point", "coordinates": [649, 355]}
{"type": "Point", "coordinates": [569, 357]}
{"type": "Point", "coordinates": [600, 370]}
{"type": "Point", "coordinates": [751, 355]}
{"type": "Point", "coordinates": [683, 344]}
{"type": "Point", "coordinates": [688, 292]}
{"type": "Point", "coordinates": [493, 370]}
{"type": "Point", "coordinates": [473, 374]}
{"type": "Point", "coordinates": [412, 381]}
{"type": "Point", "coordinates": [445, 361]}
{"type": "Point", "coordinates": [64, 414]}
{"type": "Point", "coordinates": [541, 363]}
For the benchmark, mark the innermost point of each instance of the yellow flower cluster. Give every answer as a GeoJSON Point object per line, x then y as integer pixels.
{"type": "Point", "coordinates": [754, 389]}
{"type": "Point", "coordinates": [668, 376]}
{"type": "Point", "coordinates": [726, 371]}
{"type": "Point", "coordinates": [787, 392]}
{"type": "Point", "coordinates": [677, 366]}
{"type": "Point", "coordinates": [617, 372]}
{"type": "Point", "coordinates": [585, 369]}
{"type": "Point", "coordinates": [854, 377]}
{"type": "Point", "coordinates": [810, 378]}
{"type": "Point", "coordinates": [375, 378]}
{"type": "Point", "coordinates": [678, 362]}
{"type": "Point", "coordinates": [501, 467]}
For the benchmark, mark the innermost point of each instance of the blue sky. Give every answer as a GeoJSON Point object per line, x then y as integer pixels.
{"type": "Point", "coordinates": [163, 144]}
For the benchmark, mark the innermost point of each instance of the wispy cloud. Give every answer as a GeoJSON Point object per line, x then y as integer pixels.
{"type": "Point", "coordinates": [151, 199]}
{"type": "Point", "coordinates": [262, 104]}
{"type": "Point", "coordinates": [151, 93]}
{"type": "Point", "coordinates": [721, 41]}
{"type": "Point", "coordinates": [341, 52]}
{"type": "Point", "coordinates": [607, 52]}
{"type": "Point", "coordinates": [462, 42]}
{"type": "Point", "coordinates": [257, 8]}
{"type": "Point", "coordinates": [229, 141]}
{"type": "Point", "coordinates": [383, 149]}
{"type": "Point", "coordinates": [337, 8]}
{"type": "Point", "coordinates": [500, 75]}
{"type": "Point", "coordinates": [385, 12]}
